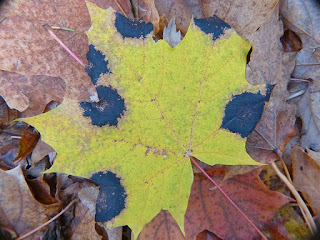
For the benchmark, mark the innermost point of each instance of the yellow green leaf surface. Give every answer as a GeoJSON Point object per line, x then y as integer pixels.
{"type": "Point", "coordinates": [175, 101]}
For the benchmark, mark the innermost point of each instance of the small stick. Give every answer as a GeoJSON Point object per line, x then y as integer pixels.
{"type": "Point", "coordinates": [62, 28]}
{"type": "Point", "coordinates": [311, 224]}
{"type": "Point", "coordinates": [228, 198]}
{"type": "Point", "coordinates": [300, 80]}
{"type": "Point", "coordinates": [123, 12]}
{"type": "Point", "coordinates": [48, 222]}
{"type": "Point", "coordinates": [307, 64]}
{"type": "Point", "coordinates": [63, 45]}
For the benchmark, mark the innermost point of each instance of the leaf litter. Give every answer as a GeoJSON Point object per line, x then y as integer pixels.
{"type": "Point", "coordinates": [258, 20]}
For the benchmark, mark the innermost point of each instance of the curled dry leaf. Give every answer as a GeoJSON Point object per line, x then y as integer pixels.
{"type": "Point", "coordinates": [27, 143]}
{"type": "Point", "coordinates": [302, 17]}
{"type": "Point", "coordinates": [28, 50]}
{"type": "Point", "coordinates": [80, 221]}
{"type": "Point", "coordinates": [19, 210]}
{"type": "Point", "coordinates": [276, 126]}
{"type": "Point", "coordinates": [306, 177]}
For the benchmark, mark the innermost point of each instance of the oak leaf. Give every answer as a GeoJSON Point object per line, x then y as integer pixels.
{"type": "Point", "coordinates": [158, 106]}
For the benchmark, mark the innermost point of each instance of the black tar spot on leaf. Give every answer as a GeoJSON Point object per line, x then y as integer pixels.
{"type": "Point", "coordinates": [107, 111]}
{"type": "Point", "coordinates": [212, 25]}
{"type": "Point", "coordinates": [111, 198]}
{"type": "Point", "coordinates": [244, 111]}
{"type": "Point", "coordinates": [132, 28]}
{"type": "Point", "coordinates": [97, 64]}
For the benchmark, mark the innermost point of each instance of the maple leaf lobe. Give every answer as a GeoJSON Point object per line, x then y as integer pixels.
{"type": "Point", "coordinates": [108, 110]}
{"type": "Point", "coordinates": [244, 111]}
{"type": "Point", "coordinates": [132, 28]}
{"type": "Point", "coordinates": [97, 64]}
{"type": "Point", "coordinates": [111, 198]}
{"type": "Point", "coordinates": [212, 25]}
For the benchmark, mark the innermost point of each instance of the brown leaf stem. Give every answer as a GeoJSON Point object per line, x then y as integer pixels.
{"type": "Point", "coordinates": [309, 220]}
{"type": "Point", "coordinates": [48, 222]}
{"type": "Point", "coordinates": [228, 198]}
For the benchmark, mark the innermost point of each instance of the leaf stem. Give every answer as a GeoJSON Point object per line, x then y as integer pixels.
{"type": "Point", "coordinates": [63, 45]}
{"type": "Point", "coordinates": [48, 222]}
{"type": "Point", "coordinates": [308, 217]}
{"type": "Point", "coordinates": [228, 198]}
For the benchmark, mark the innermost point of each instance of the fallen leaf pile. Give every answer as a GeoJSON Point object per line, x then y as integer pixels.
{"type": "Point", "coordinates": [108, 105]}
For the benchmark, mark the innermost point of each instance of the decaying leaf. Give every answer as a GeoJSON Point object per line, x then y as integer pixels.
{"type": "Point", "coordinates": [158, 105]}
{"type": "Point", "coordinates": [27, 143]}
{"type": "Point", "coordinates": [28, 51]}
{"type": "Point", "coordinates": [306, 177]}
{"type": "Point", "coordinates": [209, 210]}
{"type": "Point", "coordinates": [171, 35]}
{"type": "Point", "coordinates": [19, 210]}
{"type": "Point", "coordinates": [276, 126]}
{"type": "Point", "coordinates": [302, 18]}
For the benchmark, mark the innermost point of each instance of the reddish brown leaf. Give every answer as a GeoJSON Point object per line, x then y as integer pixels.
{"type": "Point", "coordinates": [306, 177]}
{"type": "Point", "coordinates": [28, 50]}
{"type": "Point", "coordinates": [162, 227]}
{"type": "Point", "coordinates": [209, 210]}
{"type": "Point", "coordinates": [121, 6]}
{"type": "Point", "coordinates": [30, 94]}
{"type": "Point", "coordinates": [27, 143]}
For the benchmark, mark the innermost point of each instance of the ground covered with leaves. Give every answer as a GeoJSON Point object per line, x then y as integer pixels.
{"type": "Point", "coordinates": [149, 119]}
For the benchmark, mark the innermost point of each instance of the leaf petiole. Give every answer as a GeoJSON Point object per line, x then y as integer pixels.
{"type": "Point", "coordinates": [228, 198]}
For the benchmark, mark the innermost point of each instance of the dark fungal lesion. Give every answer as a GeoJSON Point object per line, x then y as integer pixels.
{"type": "Point", "coordinates": [112, 196]}
{"type": "Point", "coordinates": [132, 28]}
{"type": "Point", "coordinates": [97, 64]}
{"type": "Point", "coordinates": [109, 109]}
{"type": "Point", "coordinates": [212, 25]}
{"type": "Point", "coordinates": [244, 111]}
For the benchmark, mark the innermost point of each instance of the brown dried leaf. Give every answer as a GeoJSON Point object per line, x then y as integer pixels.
{"type": "Point", "coordinates": [308, 111]}
{"type": "Point", "coordinates": [306, 177]}
{"type": "Point", "coordinates": [7, 115]}
{"type": "Point", "coordinates": [148, 11]}
{"type": "Point", "coordinates": [40, 151]}
{"type": "Point", "coordinates": [174, 8]}
{"type": "Point", "coordinates": [302, 18]}
{"type": "Point", "coordinates": [209, 210]}
{"type": "Point", "coordinates": [276, 126]}
{"type": "Point", "coordinates": [121, 6]}
{"type": "Point", "coordinates": [27, 48]}
{"type": "Point", "coordinates": [80, 221]}
{"type": "Point", "coordinates": [27, 143]}
{"type": "Point", "coordinates": [30, 93]}
{"type": "Point", "coordinates": [19, 210]}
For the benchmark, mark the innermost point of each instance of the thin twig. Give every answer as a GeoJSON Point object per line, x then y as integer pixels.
{"type": "Point", "coordinates": [228, 198]}
{"type": "Point", "coordinates": [300, 80]}
{"type": "Point", "coordinates": [311, 224]}
{"type": "Point", "coordinates": [48, 222]}
{"type": "Point", "coordinates": [123, 12]}
{"type": "Point", "coordinates": [63, 45]}
{"type": "Point", "coordinates": [307, 64]}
